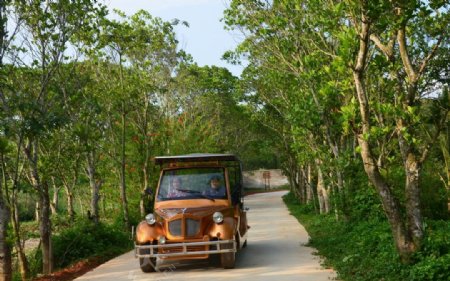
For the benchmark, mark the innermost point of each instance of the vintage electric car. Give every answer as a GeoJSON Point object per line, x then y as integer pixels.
{"type": "Point", "coordinates": [199, 211]}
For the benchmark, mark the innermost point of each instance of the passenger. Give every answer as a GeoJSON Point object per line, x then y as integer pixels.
{"type": "Point", "coordinates": [175, 188]}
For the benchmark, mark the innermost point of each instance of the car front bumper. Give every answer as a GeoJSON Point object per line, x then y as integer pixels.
{"type": "Point", "coordinates": [184, 249]}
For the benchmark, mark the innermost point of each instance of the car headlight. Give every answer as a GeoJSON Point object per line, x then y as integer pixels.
{"type": "Point", "coordinates": [150, 219]}
{"type": "Point", "coordinates": [218, 217]}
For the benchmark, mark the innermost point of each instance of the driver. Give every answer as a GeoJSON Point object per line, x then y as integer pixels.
{"type": "Point", "coordinates": [216, 188]}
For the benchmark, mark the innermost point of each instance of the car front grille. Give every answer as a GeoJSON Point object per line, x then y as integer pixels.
{"type": "Point", "coordinates": [191, 227]}
{"type": "Point", "coordinates": [175, 227]}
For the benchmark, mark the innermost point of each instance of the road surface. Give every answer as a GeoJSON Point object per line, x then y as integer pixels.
{"type": "Point", "coordinates": [275, 251]}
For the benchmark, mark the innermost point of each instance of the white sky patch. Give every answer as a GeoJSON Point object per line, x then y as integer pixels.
{"type": "Point", "coordinates": [205, 38]}
{"type": "Point", "coordinates": [155, 5]}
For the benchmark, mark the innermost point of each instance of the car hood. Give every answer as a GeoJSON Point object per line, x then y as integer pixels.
{"type": "Point", "coordinates": [168, 213]}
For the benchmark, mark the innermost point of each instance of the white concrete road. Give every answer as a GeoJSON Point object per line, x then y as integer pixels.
{"type": "Point", "coordinates": [275, 251]}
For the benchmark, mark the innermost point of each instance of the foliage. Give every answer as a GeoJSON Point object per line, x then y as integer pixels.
{"type": "Point", "coordinates": [84, 239]}
{"type": "Point", "coordinates": [363, 249]}
{"type": "Point", "coordinates": [332, 79]}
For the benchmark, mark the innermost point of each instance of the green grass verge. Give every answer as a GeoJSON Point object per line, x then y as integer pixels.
{"type": "Point", "coordinates": [364, 249]}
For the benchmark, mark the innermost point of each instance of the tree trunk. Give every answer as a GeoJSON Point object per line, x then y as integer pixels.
{"type": "Point", "coordinates": [95, 186]}
{"type": "Point", "coordinates": [145, 145]}
{"type": "Point", "coordinates": [309, 190]}
{"type": "Point", "coordinates": [412, 192]}
{"type": "Point", "coordinates": [37, 211]}
{"type": "Point", "coordinates": [45, 231]}
{"type": "Point", "coordinates": [5, 250]}
{"type": "Point", "coordinates": [123, 193]}
{"type": "Point", "coordinates": [145, 186]}
{"type": "Point", "coordinates": [23, 262]}
{"type": "Point", "coordinates": [391, 206]}
{"type": "Point", "coordinates": [70, 210]}
{"type": "Point", "coordinates": [54, 204]}
{"type": "Point", "coordinates": [69, 186]}
{"type": "Point", "coordinates": [31, 152]}
{"type": "Point", "coordinates": [324, 200]}
{"type": "Point", "coordinates": [302, 184]}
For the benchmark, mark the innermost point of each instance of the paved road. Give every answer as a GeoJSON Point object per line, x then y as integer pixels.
{"type": "Point", "coordinates": [275, 251]}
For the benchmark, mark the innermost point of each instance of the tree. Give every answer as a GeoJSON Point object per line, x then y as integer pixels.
{"type": "Point", "coordinates": [411, 78]}
{"type": "Point", "coordinates": [48, 27]}
{"type": "Point", "coordinates": [5, 202]}
{"type": "Point", "coordinates": [361, 67]}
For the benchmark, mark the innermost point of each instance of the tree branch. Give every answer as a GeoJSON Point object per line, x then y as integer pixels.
{"type": "Point", "coordinates": [387, 50]}
{"type": "Point", "coordinates": [429, 57]}
{"type": "Point", "coordinates": [401, 38]}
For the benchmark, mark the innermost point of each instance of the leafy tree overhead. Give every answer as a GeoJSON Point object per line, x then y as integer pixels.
{"type": "Point", "coordinates": [362, 70]}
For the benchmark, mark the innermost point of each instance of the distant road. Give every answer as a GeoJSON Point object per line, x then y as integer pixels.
{"type": "Point", "coordinates": [275, 252]}
{"type": "Point", "coordinates": [256, 179]}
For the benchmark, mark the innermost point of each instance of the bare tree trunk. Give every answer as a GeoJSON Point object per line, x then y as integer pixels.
{"type": "Point", "coordinates": [391, 206]}
{"type": "Point", "coordinates": [23, 262]}
{"type": "Point", "coordinates": [37, 211]}
{"type": "Point", "coordinates": [5, 250]}
{"type": "Point", "coordinates": [54, 204]}
{"type": "Point", "coordinates": [45, 231]}
{"type": "Point", "coordinates": [122, 172]}
{"type": "Point", "coordinates": [31, 152]}
{"type": "Point", "coordinates": [123, 193]}
{"type": "Point", "coordinates": [302, 184]}
{"type": "Point", "coordinates": [144, 188]}
{"type": "Point", "coordinates": [70, 209]}
{"type": "Point", "coordinates": [309, 190]}
{"type": "Point", "coordinates": [69, 186]}
{"type": "Point", "coordinates": [324, 201]}
{"type": "Point", "coordinates": [412, 192]}
{"type": "Point", "coordinates": [95, 186]}
{"type": "Point", "coordinates": [145, 173]}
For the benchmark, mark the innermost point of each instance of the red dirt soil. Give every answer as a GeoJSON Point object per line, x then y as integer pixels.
{"type": "Point", "coordinates": [72, 272]}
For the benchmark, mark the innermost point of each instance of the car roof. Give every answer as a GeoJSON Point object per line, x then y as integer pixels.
{"type": "Point", "coordinates": [195, 157]}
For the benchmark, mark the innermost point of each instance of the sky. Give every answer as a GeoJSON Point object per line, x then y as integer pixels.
{"type": "Point", "coordinates": [205, 38]}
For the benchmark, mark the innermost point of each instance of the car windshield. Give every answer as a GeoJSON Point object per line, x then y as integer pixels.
{"type": "Point", "coordinates": [192, 183]}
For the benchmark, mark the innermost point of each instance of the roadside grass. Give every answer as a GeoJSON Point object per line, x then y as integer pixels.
{"type": "Point", "coordinates": [364, 249]}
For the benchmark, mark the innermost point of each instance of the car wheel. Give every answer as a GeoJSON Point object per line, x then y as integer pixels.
{"type": "Point", "coordinates": [228, 260]}
{"type": "Point", "coordinates": [147, 264]}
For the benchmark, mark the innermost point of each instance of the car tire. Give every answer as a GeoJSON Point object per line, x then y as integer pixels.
{"type": "Point", "coordinates": [228, 260]}
{"type": "Point", "coordinates": [147, 264]}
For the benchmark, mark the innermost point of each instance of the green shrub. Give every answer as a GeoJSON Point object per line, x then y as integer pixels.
{"type": "Point", "coordinates": [431, 268]}
{"type": "Point", "coordinates": [433, 261]}
{"type": "Point", "coordinates": [85, 239]}
{"type": "Point", "coordinates": [364, 203]}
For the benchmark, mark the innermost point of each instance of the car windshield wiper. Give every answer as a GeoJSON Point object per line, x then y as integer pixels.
{"type": "Point", "coordinates": [196, 192]}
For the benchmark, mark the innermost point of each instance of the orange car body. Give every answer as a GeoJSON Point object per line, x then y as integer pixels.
{"type": "Point", "coordinates": [196, 223]}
